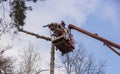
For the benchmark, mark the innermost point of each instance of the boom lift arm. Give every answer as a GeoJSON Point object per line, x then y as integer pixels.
{"type": "Point", "coordinates": [108, 43]}
{"type": "Point", "coordinates": [63, 38]}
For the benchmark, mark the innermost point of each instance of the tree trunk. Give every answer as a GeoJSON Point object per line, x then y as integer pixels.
{"type": "Point", "coordinates": [52, 59]}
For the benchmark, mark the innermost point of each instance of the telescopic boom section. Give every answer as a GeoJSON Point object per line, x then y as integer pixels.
{"type": "Point", "coordinates": [110, 44]}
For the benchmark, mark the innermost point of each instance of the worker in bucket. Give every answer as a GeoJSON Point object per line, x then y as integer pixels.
{"type": "Point", "coordinates": [66, 33]}
{"type": "Point", "coordinates": [56, 29]}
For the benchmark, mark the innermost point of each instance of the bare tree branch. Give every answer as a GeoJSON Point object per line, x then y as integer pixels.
{"type": "Point", "coordinates": [79, 62]}
{"type": "Point", "coordinates": [36, 35]}
{"type": "Point", "coordinates": [38, 72]}
{"type": "Point", "coordinates": [30, 61]}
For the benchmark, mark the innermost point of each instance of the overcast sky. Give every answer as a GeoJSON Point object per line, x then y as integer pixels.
{"type": "Point", "coordinates": [97, 16]}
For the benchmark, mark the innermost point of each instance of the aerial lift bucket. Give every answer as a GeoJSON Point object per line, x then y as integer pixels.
{"type": "Point", "coordinates": [63, 44]}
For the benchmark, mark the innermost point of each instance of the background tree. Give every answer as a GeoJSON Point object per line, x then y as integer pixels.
{"type": "Point", "coordinates": [17, 13]}
{"type": "Point", "coordinates": [79, 62]}
{"type": "Point", "coordinates": [30, 61]}
{"type": "Point", "coordinates": [6, 63]}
